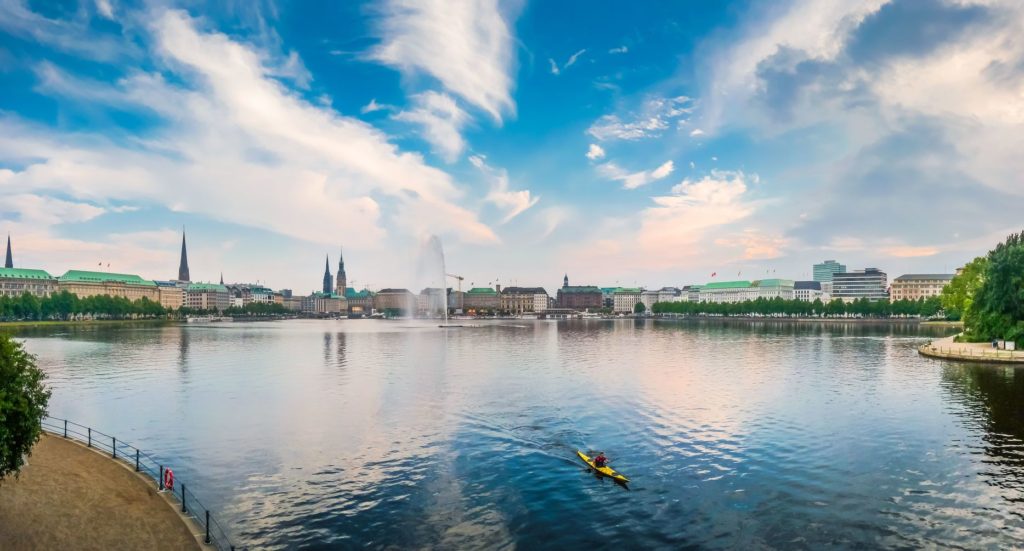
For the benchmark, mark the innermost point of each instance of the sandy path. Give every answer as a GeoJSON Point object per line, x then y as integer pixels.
{"type": "Point", "coordinates": [70, 497]}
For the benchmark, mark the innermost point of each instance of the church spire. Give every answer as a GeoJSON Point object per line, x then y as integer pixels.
{"type": "Point", "coordinates": [342, 279]}
{"type": "Point", "coordinates": [9, 261]}
{"type": "Point", "coordinates": [565, 281]}
{"type": "Point", "coordinates": [328, 280]}
{"type": "Point", "coordinates": [222, 278]}
{"type": "Point", "coordinates": [183, 265]}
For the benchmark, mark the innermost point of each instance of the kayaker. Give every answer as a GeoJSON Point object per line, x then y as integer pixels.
{"type": "Point", "coordinates": [600, 460]}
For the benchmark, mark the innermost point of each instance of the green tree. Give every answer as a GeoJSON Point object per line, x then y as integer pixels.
{"type": "Point", "coordinates": [639, 308]}
{"type": "Point", "coordinates": [958, 296]}
{"type": "Point", "coordinates": [997, 310]}
{"type": "Point", "coordinates": [23, 399]}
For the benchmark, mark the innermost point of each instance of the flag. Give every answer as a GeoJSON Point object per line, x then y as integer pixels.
{"type": "Point", "coordinates": [713, 274]}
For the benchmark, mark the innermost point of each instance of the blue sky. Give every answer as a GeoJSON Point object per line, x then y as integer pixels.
{"type": "Point", "coordinates": [652, 143]}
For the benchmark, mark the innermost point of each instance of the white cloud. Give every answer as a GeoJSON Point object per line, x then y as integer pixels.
{"type": "Point", "coordinates": [619, 50]}
{"type": "Point", "coordinates": [635, 179]}
{"type": "Point", "coordinates": [513, 203]}
{"type": "Point", "coordinates": [574, 57]}
{"type": "Point", "coordinates": [696, 132]}
{"type": "Point", "coordinates": [442, 122]}
{"type": "Point", "coordinates": [756, 244]}
{"type": "Point", "coordinates": [235, 145]}
{"type": "Point", "coordinates": [73, 36]}
{"type": "Point", "coordinates": [466, 46]}
{"type": "Point", "coordinates": [595, 152]}
{"type": "Point", "coordinates": [554, 66]}
{"type": "Point", "coordinates": [651, 121]}
{"type": "Point", "coordinates": [105, 9]}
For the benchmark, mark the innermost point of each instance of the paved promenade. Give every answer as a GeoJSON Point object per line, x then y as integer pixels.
{"type": "Point", "coordinates": [970, 352]}
{"type": "Point", "coordinates": [70, 497]}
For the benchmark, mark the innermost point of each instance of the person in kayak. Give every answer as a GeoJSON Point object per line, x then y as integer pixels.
{"type": "Point", "coordinates": [600, 460]}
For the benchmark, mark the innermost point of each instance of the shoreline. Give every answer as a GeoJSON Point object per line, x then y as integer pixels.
{"type": "Point", "coordinates": [978, 352]}
{"type": "Point", "coordinates": [82, 323]}
{"type": "Point", "coordinates": [866, 321]}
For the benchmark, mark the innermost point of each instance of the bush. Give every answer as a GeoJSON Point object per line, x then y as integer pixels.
{"type": "Point", "coordinates": [23, 400]}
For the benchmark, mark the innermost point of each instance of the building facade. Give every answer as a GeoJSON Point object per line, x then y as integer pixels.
{"type": "Point", "coordinates": [624, 300]}
{"type": "Point", "coordinates": [739, 291]}
{"type": "Point", "coordinates": [481, 299]}
{"type": "Point", "coordinates": [87, 284]}
{"type": "Point", "coordinates": [827, 269]}
{"type": "Point", "coordinates": [517, 300]}
{"type": "Point", "coordinates": [171, 295]}
{"type": "Point", "coordinates": [15, 282]}
{"type": "Point", "coordinates": [869, 283]}
{"type": "Point", "coordinates": [809, 291]}
{"type": "Point", "coordinates": [394, 300]}
{"type": "Point", "coordinates": [918, 286]}
{"type": "Point", "coordinates": [207, 296]}
{"type": "Point", "coordinates": [579, 297]}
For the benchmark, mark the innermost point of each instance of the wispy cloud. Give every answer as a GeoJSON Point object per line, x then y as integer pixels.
{"type": "Point", "coordinates": [650, 121]}
{"type": "Point", "coordinates": [619, 50]}
{"type": "Point", "coordinates": [512, 202]}
{"type": "Point", "coordinates": [633, 180]}
{"type": "Point", "coordinates": [595, 152]}
{"type": "Point", "coordinates": [466, 46]}
{"type": "Point", "coordinates": [555, 70]}
{"type": "Point", "coordinates": [442, 121]}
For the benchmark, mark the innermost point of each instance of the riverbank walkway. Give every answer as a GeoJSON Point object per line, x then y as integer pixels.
{"type": "Point", "coordinates": [947, 349]}
{"type": "Point", "coordinates": [71, 497]}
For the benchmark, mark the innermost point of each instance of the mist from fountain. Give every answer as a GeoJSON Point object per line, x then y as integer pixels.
{"type": "Point", "coordinates": [431, 277]}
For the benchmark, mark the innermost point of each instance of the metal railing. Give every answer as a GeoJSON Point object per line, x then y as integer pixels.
{"type": "Point", "coordinates": [142, 462]}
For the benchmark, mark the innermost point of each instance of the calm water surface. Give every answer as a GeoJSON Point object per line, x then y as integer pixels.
{"type": "Point", "coordinates": [398, 434]}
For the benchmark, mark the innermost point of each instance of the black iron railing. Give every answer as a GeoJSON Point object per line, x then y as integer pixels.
{"type": "Point", "coordinates": [142, 462]}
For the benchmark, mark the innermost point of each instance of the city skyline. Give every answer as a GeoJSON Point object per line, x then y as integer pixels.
{"type": "Point", "coordinates": [645, 145]}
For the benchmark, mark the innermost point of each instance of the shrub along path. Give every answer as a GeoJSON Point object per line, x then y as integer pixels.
{"type": "Point", "coordinates": [70, 497]}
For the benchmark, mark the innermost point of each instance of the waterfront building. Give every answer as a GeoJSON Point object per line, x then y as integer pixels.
{"type": "Point", "coordinates": [324, 303]}
{"type": "Point", "coordinates": [541, 302]}
{"type": "Point", "coordinates": [292, 303]}
{"type": "Point", "coordinates": [481, 299]}
{"type": "Point", "coordinates": [517, 300]}
{"type": "Point", "coordinates": [360, 303]}
{"type": "Point", "coordinates": [739, 291]}
{"type": "Point", "coordinates": [328, 287]}
{"type": "Point", "coordinates": [918, 286]}
{"type": "Point", "coordinates": [668, 294]}
{"type": "Point", "coordinates": [8, 260]}
{"type": "Point", "coordinates": [170, 294]}
{"type": "Point", "coordinates": [808, 291]}
{"type": "Point", "coordinates": [87, 284]}
{"type": "Point", "coordinates": [579, 297]}
{"type": "Point", "coordinates": [286, 293]}
{"type": "Point", "coordinates": [827, 269]}
{"type": "Point", "coordinates": [649, 297]}
{"type": "Point", "coordinates": [15, 282]}
{"type": "Point", "coordinates": [693, 293]}
{"type": "Point", "coordinates": [826, 290]}
{"type": "Point", "coordinates": [456, 301]}
{"type": "Point", "coordinates": [183, 263]}
{"type": "Point", "coordinates": [395, 300]}
{"type": "Point", "coordinates": [624, 300]}
{"type": "Point", "coordinates": [207, 296]}
{"type": "Point", "coordinates": [432, 301]}
{"type": "Point", "coordinates": [608, 296]}
{"type": "Point", "coordinates": [869, 283]}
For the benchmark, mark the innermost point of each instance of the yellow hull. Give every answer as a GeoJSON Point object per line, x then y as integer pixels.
{"type": "Point", "coordinates": [606, 471]}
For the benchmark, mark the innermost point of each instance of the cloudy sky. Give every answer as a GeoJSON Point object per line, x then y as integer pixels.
{"type": "Point", "coordinates": [648, 142]}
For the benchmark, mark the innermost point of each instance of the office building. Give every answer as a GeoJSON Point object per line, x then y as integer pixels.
{"type": "Point", "coordinates": [869, 283]}
{"type": "Point", "coordinates": [827, 269]}
{"type": "Point", "coordinates": [918, 286]}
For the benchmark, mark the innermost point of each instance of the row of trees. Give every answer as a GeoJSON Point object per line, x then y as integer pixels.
{"type": "Point", "coordinates": [988, 294]}
{"type": "Point", "coordinates": [256, 309]}
{"type": "Point", "coordinates": [925, 308]}
{"type": "Point", "coordinates": [65, 305]}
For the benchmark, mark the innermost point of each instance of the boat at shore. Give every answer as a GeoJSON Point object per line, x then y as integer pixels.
{"type": "Point", "coordinates": [208, 319]}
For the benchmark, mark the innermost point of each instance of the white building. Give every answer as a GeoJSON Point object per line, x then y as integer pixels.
{"type": "Point", "coordinates": [540, 302]}
{"type": "Point", "coordinates": [739, 291]}
{"type": "Point", "coordinates": [809, 291]}
{"type": "Point", "coordinates": [625, 300]}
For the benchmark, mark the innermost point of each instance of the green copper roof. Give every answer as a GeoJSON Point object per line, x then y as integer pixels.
{"type": "Point", "coordinates": [773, 283]}
{"type": "Point", "coordinates": [207, 287]}
{"type": "Point", "coordinates": [628, 290]}
{"type": "Point", "coordinates": [727, 285]}
{"type": "Point", "coordinates": [481, 291]}
{"type": "Point", "coordinates": [82, 276]}
{"type": "Point", "coordinates": [23, 273]}
{"type": "Point", "coordinates": [580, 289]}
{"type": "Point", "coordinates": [352, 293]}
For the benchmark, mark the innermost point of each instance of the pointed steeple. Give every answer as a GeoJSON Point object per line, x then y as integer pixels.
{"type": "Point", "coordinates": [328, 280]}
{"type": "Point", "coordinates": [9, 261]}
{"type": "Point", "coordinates": [565, 281]}
{"type": "Point", "coordinates": [183, 265]}
{"type": "Point", "coordinates": [342, 279]}
{"type": "Point", "coordinates": [222, 278]}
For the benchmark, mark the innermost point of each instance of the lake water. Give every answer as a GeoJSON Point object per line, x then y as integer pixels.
{"type": "Point", "coordinates": [399, 434]}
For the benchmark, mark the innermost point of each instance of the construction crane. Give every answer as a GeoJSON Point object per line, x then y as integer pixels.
{"type": "Point", "coordinates": [458, 277]}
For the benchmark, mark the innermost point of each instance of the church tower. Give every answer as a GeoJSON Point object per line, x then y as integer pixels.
{"type": "Point", "coordinates": [342, 278]}
{"type": "Point", "coordinates": [565, 281]}
{"type": "Point", "coordinates": [9, 261]}
{"type": "Point", "coordinates": [183, 265]}
{"type": "Point", "coordinates": [328, 280]}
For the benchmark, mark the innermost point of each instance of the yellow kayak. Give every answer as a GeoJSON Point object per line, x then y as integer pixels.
{"type": "Point", "coordinates": [607, 471]}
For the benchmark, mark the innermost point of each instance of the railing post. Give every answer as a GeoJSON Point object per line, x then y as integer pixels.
{"type": "Point", "coordinates": [207, 540]}
{"type": "Point", "coordinates": [90, 437]}
{"type": "Point", "coordinates": [160, 479]}
{"type": "Point", "coordinates": [183, 510]}
{"type": "Point", "coordinates": [65, 428]}
{"type": "Point", "coordinates": [136, 459]}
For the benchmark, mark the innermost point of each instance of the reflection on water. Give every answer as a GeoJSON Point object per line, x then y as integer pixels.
{"type": "Point", "coordinates": [399, 434]}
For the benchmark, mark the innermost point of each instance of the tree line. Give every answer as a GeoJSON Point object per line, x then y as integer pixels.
{"type": "Point", "coordinates": [988, 294]}
{"type": "Point", "coordinates": [925, 308]}
{"type": "Point", "coordinates": [64, 306]}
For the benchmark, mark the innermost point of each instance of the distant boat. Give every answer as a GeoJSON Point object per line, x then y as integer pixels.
{"type": "Point", "coordinates": [207, 319]}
